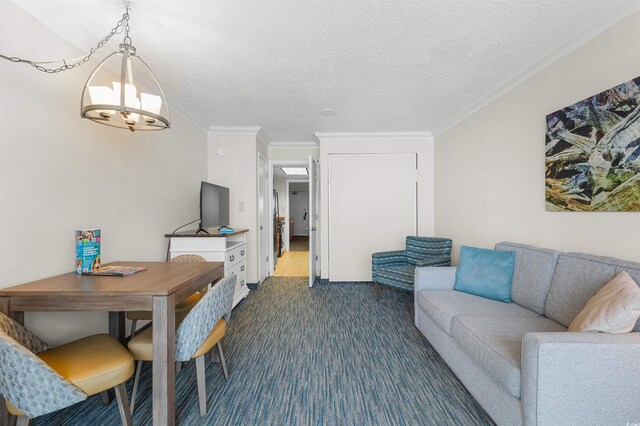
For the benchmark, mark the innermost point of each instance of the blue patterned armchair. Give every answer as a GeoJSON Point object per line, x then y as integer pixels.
{"type": "Point", "coordinates": [396, 268]}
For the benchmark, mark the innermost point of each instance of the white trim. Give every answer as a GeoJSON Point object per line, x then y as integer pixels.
{"type": "Point", "coordinates": [287, 145]}
{"type": "Point", "coordinates": [325, 136]}
{"type": "Point", "coordinates": [187, 116]}
{"type": "Point", "coordinates": [262, 137]}
{"type": "Point", "coordinates": [248, 130]}
{"type": "Point", "coordinates": [266, 212]}
{"type": "Point", "coordinates": [598, 23]}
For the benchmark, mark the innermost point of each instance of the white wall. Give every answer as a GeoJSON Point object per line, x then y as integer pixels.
{"type": "Point", "coordinates": [490, 168]}
{"type": "Point", "coordinates": [293, 152]}
{"type": "Point", "coordinates": [420, 143]}
{"type": "Point", "coordinates": [298, 205]}
{"type": "Point", "coordinates": [59, 172]}
{"type": "Point", "coordinates": [237, 170]}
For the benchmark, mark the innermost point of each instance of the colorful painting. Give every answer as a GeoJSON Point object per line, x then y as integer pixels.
{"type": "Point", "coordinates": [593, 153]}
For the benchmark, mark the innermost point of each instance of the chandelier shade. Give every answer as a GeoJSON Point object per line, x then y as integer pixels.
{"type": "Point", "coordinates": [123, 92]}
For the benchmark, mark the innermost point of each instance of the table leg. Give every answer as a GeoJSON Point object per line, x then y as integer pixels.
{"type": "Point", "coordinates": [4, 413]}
{"type": "Point", "coordinates": [116, 326]}
{"type": "Point", "coordinates": [164, 358]}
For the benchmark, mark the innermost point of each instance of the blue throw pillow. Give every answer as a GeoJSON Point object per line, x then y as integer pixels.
{"type": "Point", "coordinates": [485, 273]}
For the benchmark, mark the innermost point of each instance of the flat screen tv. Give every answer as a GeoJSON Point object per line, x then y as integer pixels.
{"type": "Point", "coordinates": [214, 206]}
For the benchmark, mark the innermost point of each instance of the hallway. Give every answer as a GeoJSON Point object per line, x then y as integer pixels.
{"type": "Point", "coordinates": [294, 263]}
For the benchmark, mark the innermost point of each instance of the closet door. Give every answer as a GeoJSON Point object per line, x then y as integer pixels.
{"type": "Point", "coordinates": [372, 207]}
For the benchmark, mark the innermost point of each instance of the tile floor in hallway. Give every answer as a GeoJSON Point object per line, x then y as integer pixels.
{"type": "Point", "coordinates": [293, 264]}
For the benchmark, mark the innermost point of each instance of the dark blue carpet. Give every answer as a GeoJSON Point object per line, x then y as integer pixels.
{"type": "Point", "coordinates": [299, 356]}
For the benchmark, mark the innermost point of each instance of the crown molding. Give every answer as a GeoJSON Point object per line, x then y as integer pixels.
{"type": "Point", "coordinates": [288, 145]}
{"type": "Point", "coordinates": [263, 138]}
{"type": "Point", "coordinates": [186, 114]}
{"type": "Point", "coordinates": [358, 136]}
{"type": "Point", "coordinates": [608, 16]}
{"type": "Point", "coordinates": [237, 130]}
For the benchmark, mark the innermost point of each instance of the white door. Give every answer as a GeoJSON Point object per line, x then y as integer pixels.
{"type": "Point", "coordinates": [263, 231]}
{"type": "Point", "coordinates": [372, 207]}
{"type": "Point", "coordinates": [313, 219]}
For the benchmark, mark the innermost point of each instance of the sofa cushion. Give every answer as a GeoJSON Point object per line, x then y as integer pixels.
{"type": "Point", "coordinates": [532, 274]}
{"type": "Point", "coordinates": [444, 305]}
{"type": "Point", "coordinates": [577, 278]}
{"type": "Point", "coordinates": [495, 343]}
{"type": "Point", "coordinates": [615, 308]}
{"type": "Point", "coordinates": [485, 273]}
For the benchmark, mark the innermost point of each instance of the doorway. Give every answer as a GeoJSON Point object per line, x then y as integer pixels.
{"type": "Point", "coordinates": [293, 194]}
{"type": "Point", "coordinates": [295, 218]}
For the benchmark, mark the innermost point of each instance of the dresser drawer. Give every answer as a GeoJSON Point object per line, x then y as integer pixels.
{"type": "Point", "coordinates": [235, 255]}
{"type": "Point", "coordinates": [241, 283]}
{"type": "Point", "coordinates": [239, 268]}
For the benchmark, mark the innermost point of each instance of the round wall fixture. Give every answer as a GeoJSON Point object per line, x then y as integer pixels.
{"type": "Point", "coordinates": [220, 152]}
{"type": "Point", "coordinates": [328, 112]}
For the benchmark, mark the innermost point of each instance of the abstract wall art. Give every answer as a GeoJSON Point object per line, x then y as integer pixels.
{"type": "Point", "coordinates": [592, 153]}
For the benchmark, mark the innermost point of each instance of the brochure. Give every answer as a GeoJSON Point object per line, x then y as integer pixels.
{"type": "Point", "coordinates": [117, 271]}
{"type": "Point", "coordinates": [87, 250]}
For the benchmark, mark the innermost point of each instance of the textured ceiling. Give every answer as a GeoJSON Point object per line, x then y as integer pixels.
{"type": "Point", "coordinates": [386, 66]}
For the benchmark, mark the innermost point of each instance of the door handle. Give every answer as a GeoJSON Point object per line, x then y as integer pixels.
{"type": "Point", "coordinates": [261, 227]}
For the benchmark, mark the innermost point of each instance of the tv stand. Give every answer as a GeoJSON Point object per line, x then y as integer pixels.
{"type": "Point", "coordinates": [230, 248]}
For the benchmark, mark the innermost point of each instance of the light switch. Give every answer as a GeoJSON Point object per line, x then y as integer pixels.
{"type": "Point", "coordinates": [241, 206]}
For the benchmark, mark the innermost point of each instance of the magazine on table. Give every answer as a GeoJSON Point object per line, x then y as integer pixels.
{"type": "Point", "coordinates": [117, 271]}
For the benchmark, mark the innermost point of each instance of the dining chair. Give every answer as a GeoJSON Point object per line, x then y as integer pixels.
{"type": "Point", "coordinates": [181, 307]}
{"type": "Point", "coordinates": [197, 333]}
{"type": "Point", "coordinates": [36, 380]}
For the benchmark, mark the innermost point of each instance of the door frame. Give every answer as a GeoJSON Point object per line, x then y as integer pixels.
{"type": "Point", "coordinates": [272, 164]}
{"type": "Point", "coordinates": [266, 213]}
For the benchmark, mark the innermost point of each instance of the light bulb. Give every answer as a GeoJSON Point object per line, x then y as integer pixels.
{"type": "Point", "coordinates": [102, 95]}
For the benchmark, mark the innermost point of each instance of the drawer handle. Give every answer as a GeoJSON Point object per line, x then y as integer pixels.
{"type": "Point", "coordinates": [242, 268]}
{"type": "Point", "coordinates": [241, 252]}
{"type": "Point", "coordinates": [231, 258]}
{"type": "Point", "coordinates": [242, 283]}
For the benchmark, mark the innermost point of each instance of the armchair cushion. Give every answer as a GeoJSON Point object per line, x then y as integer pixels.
{"type": "Point", "coordinates": [399, 276]}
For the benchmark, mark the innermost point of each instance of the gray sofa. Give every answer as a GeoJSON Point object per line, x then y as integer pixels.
{"type": "Point", "coordinates": [517, 359]}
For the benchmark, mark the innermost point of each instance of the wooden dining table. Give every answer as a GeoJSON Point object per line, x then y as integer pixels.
{"type": "Point", "coordinates": [157, 289]}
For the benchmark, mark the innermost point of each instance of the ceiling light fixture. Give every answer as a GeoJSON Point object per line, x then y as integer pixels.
{"type": "Point", "coordinates": [110, 95]}
{"type": "Point", "coordinates": [328, 112]}
{"type": "Point", "coordinates": [300, 171]}
{"type": "Point", "coordinates": [121, 103]}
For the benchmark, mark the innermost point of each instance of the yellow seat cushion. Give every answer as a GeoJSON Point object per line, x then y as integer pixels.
{"type": "Point", "coordinates": [184, 306]}
{"type": "Point", "coordinates": [93, 364]}
{"type": "Point", "coordinates": [214, 337]}
{"type": "Point", "coordinates": [141, 346]}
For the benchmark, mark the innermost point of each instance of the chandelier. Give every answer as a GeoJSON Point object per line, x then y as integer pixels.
{"type": "Point", "coordinates": [121, 91]}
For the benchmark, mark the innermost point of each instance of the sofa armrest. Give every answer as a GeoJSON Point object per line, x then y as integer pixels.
{"type": "Point", "coordinates": [434, 278]}
{"type": "Point", "coordinates": [580, 378]}
{"type": "Point", "coordinates": [388, 258]}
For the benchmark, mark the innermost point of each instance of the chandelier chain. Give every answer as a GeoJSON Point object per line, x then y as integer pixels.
{"type": "Point", "coordinates": [68, 64]}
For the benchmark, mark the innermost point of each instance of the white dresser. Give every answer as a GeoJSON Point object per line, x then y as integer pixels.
{"type": "Point", "coordinates": [228, 248]}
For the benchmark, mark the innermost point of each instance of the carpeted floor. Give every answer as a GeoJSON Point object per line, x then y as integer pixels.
{"type": "Point", "coordinates": [298, 356]}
